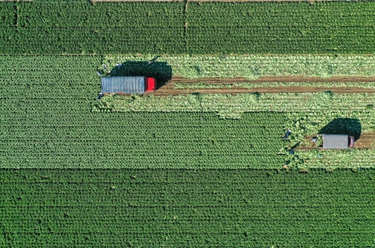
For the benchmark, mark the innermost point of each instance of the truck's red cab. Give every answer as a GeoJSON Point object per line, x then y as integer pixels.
{"type": "Point", "coordinates": [150, 84]}
{"type": "Point", "coordinates": [351, 141]}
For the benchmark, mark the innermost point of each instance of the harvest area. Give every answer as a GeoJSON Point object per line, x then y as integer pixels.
{"type": "Point", "coordinates": [202, 160]}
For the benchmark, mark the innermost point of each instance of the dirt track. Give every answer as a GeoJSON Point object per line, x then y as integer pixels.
{"type": "Point", "coordinates": [366, 140]}
{"type": "Point", "coordinates": [169, 88]}
{"type": "Point", "coordinates": [309, 1]}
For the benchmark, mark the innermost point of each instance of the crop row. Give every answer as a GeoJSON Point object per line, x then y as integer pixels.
{"type": "Point", "coordinates": [247, 66]}
{"type": "Point", "coordinates": [241, 208]}
{"type": "Point", "coordinates": [142, 140]}
{"type": "Point", "coordinates": [330, 159]}
{"type": "Point", "coordinates": [101, 16]}
{"type": "Point", "coordinates": [278, 28]}
{"type": "Point", "coordinates": [307, 114]}
{"type": "Point", "coordinates": [321, 106]}
{"type": "Point", "coordinates": [46, 121]}
{"type": "Point", "coordinates": [170, 28]}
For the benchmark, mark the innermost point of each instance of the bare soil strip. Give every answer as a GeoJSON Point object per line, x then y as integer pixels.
{"type": "Point", "coordinates": [365, 141]}
{"type": "Point", "coordinates": [169, 88]}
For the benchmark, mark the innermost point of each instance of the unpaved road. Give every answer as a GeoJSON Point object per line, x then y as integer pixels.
{"type": "Point", "coordinates": [169, 88]}
{"type": "Point", "coordinates": [309, 1]}
{"type": "Point", "coordinates": [366, 140]}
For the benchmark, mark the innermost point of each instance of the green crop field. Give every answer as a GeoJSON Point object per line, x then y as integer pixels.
{"type": "Point", "coordinates": [196, 170]}
{"type": "Point", "coordinates": [198, 28]}
{"type": "Point", "coordinates": [281, 28]}
{"type": "Point", "coordinates": [58, 162]}
{"type": "Point", "coordinates": [186, 208]}
{"type": "Point", "coordinates": [47, 123]}
{"type": "Point", "coordinates": [247, 66]}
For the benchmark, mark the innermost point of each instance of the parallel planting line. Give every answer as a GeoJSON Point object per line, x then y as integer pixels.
{"type": "Point", "coordinates": [48, 208]}
{"type": "Point", "coordinates": [78, 27]}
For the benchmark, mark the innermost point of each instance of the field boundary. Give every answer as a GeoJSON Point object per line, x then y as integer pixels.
{"type": "Point", "coordinates": [229, 1]}
{"type": "Point", "coordinates": [117, 1]}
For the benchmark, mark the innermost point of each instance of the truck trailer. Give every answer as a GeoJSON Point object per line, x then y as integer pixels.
{"type": "Point", "coordinates": [337, 141]}
{"type": "Point", "coordinates": [128, 84]}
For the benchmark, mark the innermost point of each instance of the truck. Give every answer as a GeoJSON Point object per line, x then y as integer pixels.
{"type": "Point", "coordinates": [127, 84]}
{"type": "Point", "coordinates": [337, 141]}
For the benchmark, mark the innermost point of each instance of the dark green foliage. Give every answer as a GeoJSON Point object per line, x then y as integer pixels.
{"type": "Point", "coordinates": [187, 208]}
{"type": "Point", "coordinates": [82, 28]}
{"type": "Point", "coordinates": [164, 28]}
{"type": "Point", "coordinates": [281, 27]}
{"type": "Point", "coordinates": [8, 13]}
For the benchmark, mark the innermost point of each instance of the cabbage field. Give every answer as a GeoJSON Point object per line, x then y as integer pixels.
{"type": "Point", "coordinates": [186, 208]}
{"type": "Point", "coordinates": [198, 66]}
{"type": "Point", "coordinates": [188, 170]}
{"type": "Point", "coordinates": [77, 27]}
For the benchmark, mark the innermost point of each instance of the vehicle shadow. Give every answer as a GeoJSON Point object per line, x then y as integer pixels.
{"type": "Point", "coordinates": [161, 71]}
{"type": "Point", "coordinates": [348, 126]}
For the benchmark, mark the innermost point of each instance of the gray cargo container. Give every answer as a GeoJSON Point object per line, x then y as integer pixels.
{"type": "Point", "coordinates": [337, 141]}
{"type": "Point", "coordinates": [126, 84]}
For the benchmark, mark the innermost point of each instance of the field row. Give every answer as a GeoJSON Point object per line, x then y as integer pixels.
{"type": "Point", "coordinates": [321, 107]}
{"type": "Point", "coordinates": [307, 114]}
{"type": "Point", "coordinates": [245, 66]}
{"type": "Point", "coordinates": [140, 140]}
{"type": "Point", "coordinates": [172, 28]}
{"type": "Point", "coordinates": [331, 159]}
{"type": "Point", "coordinates": [47, 121]}
{"type": "Point", "coordinates": [221, 208]}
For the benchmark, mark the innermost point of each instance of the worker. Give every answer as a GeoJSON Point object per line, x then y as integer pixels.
{"type": "Point", "coordinates": [287, 133]}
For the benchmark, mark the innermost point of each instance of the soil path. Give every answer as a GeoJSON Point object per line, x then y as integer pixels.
{"type": "Point", "coordinates": [309, 1]}
{"type": "Point", "coordinates": [169, 88]}
{"type": "Point", "coordinates": [366, 140]}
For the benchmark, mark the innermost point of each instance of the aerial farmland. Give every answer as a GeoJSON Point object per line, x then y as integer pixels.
{"type": "Point", "coordinates": [227, 149]}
